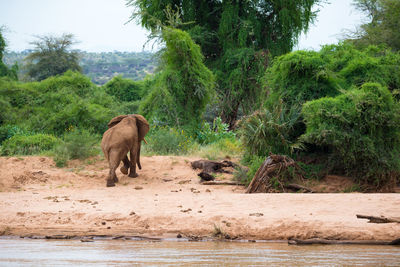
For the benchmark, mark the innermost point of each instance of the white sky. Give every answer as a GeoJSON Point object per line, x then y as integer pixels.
{"type": "Point", "coordinates": [99, 25]}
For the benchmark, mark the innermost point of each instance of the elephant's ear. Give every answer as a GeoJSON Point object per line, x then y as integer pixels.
{"type": "Point", "coordinates": [143, 126]}
{"type": "Point", "coordinates": [114, 121]}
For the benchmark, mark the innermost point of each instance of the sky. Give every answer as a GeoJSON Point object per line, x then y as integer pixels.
{"type": "Point", "coordinates": [101, 25]}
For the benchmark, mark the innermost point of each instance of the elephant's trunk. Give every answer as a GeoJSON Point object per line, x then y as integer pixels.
{"type": "Point", "coordinates": [138, 156]}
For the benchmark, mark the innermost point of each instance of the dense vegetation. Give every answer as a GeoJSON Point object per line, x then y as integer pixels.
{"type": "Point", "coordinates": [337, 109]}
{"type": "Point", "coordinates": [184, 85]}
{"type": "Point", "coordinates": [236, 39]}
{"type": "Point", "coordinates": [339, 106]}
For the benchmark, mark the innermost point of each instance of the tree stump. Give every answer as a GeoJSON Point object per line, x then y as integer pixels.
{"type": "Point", "coordinates": [270, 177]}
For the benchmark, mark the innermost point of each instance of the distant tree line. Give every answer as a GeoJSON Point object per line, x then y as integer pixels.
{"type": "Point", "coordinates": [101, 67]}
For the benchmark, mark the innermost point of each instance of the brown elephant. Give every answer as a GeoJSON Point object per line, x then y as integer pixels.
{"type": "Point", "coordinates": [124, 135]}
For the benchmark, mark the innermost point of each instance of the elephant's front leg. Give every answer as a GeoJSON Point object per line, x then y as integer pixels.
{"type": "Point", "coordinates": [124, 169]}
{"type": "Point", "coordinates": [133, 157]}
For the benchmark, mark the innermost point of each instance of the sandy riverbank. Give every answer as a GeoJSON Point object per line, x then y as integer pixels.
{"type": "Point", "coordinates": [36, 198]}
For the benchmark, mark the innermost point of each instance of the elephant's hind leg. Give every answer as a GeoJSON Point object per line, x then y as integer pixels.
{"type": "Point", "coordinates": [124, 169]}
{"type": "Point", "coordinates": [114, 163]}
{"type": "Point", "coordinates": [133, 156]}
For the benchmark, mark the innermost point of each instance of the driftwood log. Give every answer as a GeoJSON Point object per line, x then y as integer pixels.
{"type": "Point", "coordinates": [273, 167]}
{"type": "Point", "coordinates": [321, 241]}
{"type": "Point", "coordinates": [376, 219]}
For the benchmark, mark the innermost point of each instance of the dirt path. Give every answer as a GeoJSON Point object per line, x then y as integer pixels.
{"type": "Point", "coordinates": [36, 198]}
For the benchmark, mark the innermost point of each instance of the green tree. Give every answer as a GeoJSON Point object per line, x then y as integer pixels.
{"type": "Point", "coordinates": [236, 38]}
{"type": "Point", "coordinates": [384, 24]}
{"type": "Point", "coordinates": [184, 85]}
{"type": "Point", "coordinates": [52, 56]}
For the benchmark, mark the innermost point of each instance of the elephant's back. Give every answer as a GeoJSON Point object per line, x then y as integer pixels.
{"type": "Point", "coordinates": [117, 137]}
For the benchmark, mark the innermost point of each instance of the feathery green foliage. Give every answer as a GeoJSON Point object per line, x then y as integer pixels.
{"type": "Point", "coordinates": [236, 38]}
{"type": "Point", "coordinates": [332, 73]}
{"type": "Point", "coordinates": [361, 130]}
{"type": "Point", "coordinates": [184, 85]}
{"type": "Point", "coordinates": [299, 76]}
{"type": "Point", "coordinates": [357, 66]}
{"type": "Point", "coordinates": [124, 89]}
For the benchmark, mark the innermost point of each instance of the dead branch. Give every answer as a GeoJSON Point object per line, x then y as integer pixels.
{"type": "Point", "coordinates": [376, 219]}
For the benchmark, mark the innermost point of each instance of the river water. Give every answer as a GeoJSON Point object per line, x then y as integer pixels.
{"type": "Point", "coordinates": [29, 252]}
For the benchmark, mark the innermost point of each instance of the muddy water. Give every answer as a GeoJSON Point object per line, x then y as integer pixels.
{"type": "Point", "coordinates": [25, 252]}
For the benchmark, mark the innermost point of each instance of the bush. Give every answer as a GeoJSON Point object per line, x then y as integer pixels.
{"type": "Point", "coordinates": [70, 81]}
{"type": "Point", "coordinates": [76, 144]}
{"type": "Point", "coordinates": [28, 145]}
{"type": "Point", "coordinates": [298, 77]}
{"type": "Point", "coordinates": [360, 130]}
{"type": "Point", "coordinates": [228, 147]}
{"type": "Point", "coordinates": [356, 67]}
{"type": "Point", "coordinates": [124, 89]}
{"type": "Point", "coordinates": [7, 131]}
{"type": "Point", "coordinates": [164, 140]}
{"type": "Point", "coordinates": [58, 103]}
{"type": "Point", "coordinates": [276, 132]}
{"type": "Point", "coordinates": [217, 131]}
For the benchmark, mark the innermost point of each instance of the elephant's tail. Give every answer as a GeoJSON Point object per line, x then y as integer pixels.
{"type": "Point", "coordinates": [138, 156]}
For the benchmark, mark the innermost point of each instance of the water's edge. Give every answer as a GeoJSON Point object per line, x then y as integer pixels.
{"type": "Point", "coordinates": [180, 238]}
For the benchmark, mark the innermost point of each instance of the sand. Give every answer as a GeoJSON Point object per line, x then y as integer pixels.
{"type": "Point", "coordinates": [167, 199]}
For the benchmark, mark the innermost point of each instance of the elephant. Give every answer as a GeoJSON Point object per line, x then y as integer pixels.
{"type": "Point", "coordinates": [124, 135]}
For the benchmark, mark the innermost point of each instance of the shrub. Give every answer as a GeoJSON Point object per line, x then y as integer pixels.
{"type": "Point", "coordinates": [217, 131]}
{"type": "Point", "coordinates": [124, 89]}
{"type": "Point", "coordinates": [164, 140]}
{"type": "Point", "coordinates": [360, 130]}
{"type": "Point", "coordinates": [276, 132]}
{"type": "Point", "coordinates": [7, 131]}
{"type": "Point", "coordinates": [223, 148]}
{"type": "Point", "coordinates": [298, 77]}
{"type": "Point", "coordinates": [254, 163]}
{"type": "Point", "coordinates": [28, 145]}
{"type": "Point", "coordinates": [76, 144]}
{"type": "Point", "coordinates": [71, 81]}
{"type": "Point", "coordinates": [356, 67]}
{"type": "Point", "coordinates": [54, 105]}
